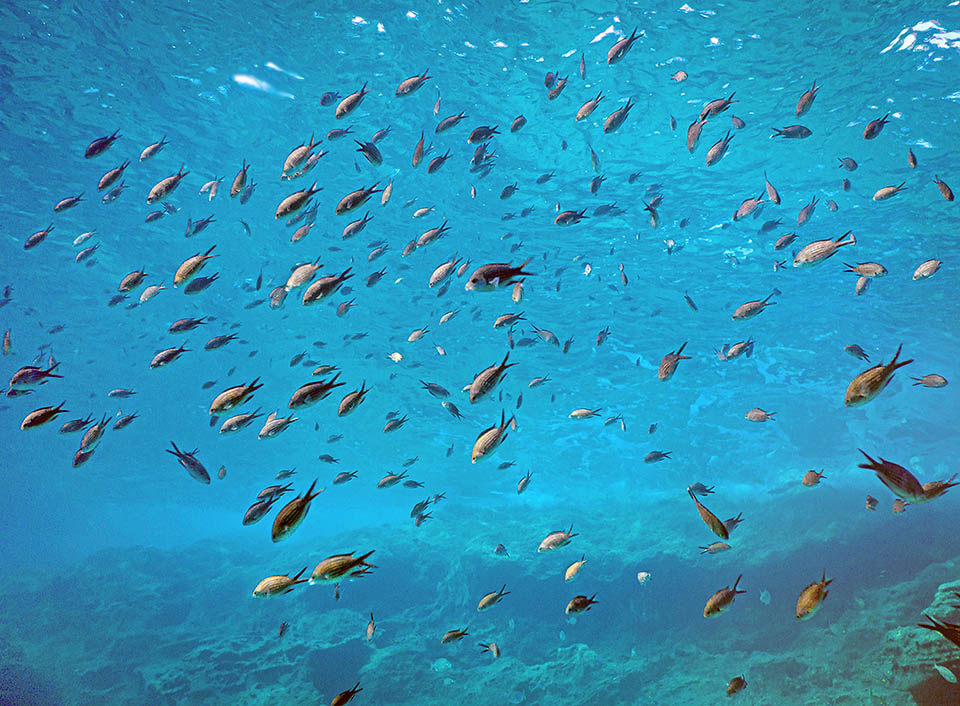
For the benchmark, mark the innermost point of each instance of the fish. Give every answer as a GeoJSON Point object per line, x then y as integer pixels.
{"type": "Point", "coordinates": [945, 190]}
{"type": "Point", "coordinates": [278, 585]}
{"type": "Point", "coordinates": [669, 362]}
{"type": "Point", "coordinates": [491, 599]}
{"type": "Point", "coordinates": [620, 49]}
{"type": "Point", "coordinates": [806, 100]}
{"type": "Point", "coordinates": [712, 521]}
{"type": "Point", "coordinates": [819, 250]}
{"type": "Point", "coordinates": [737, 684]}
{"type": "Point", "coordinates": [341, 567]}
{"type": "Point", "coordinates": [556, 539]}
{"type": "Point", "coordinates": [491, 647]}
{"type": "Point", "coordinates": [100, 145]}
{"type": "Point", "coordinates": [293, 514]}
{"type": "Point", "coordinates": [580, 604]}
{"type": "Point", "coordinates": [875, 127]}
{"type": "Point", "coordinates": [350, 103]}
{"type": "Point", "coordinates": [490, 277]}
{"type": "Point", "coordinates": [490, 439]}
{"type": "Point", "coordinates": [189, 462]}
{"type": "Point", "coordinates": [453, 636]}
{"type": "Point", "coordinates": [488, 379]}
{"type": "Point", "coordinates": [344, 697]}
{"type": "Point", "coordinates": [722, 600]}
{"type": "Point", "coordinates": [574, 569]}
{"type": "Point", "coordinates": [932, 380]}
{"type": "Point", "coordinates": [796, 132]}
{"type": "Point", "coordinates": [926, 269]}
{"type": "Point", "coordinates": [411, 85]}
{"type": "Point", "coordinates": [898, 479]}
{"type": "Point", "coordinates": [812, 597]}
{"type": "Point", "coordinates": [871, 382]}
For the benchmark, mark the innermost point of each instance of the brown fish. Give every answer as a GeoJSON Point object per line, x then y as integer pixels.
{"type": "Point", "coordinates": [875, 127]}
{"type": "Point", "coordinates": [806, 100]}
{"type": "Point", "coordinates": [812, 597]}
{"type": "Point", "coordinates": [355, 199]}
{"type": "Point", "coordinates": [711, 520]}
{"type": "Point", "coordinates": [418, 151]}
{"type": "Point", "coordinates": [490, 277]}
{"type": "Point", "coordinates": [718, 149]}
{"type": "Point", "coordinates": [717, 106]}
{"type": "Point", "coordinates": [580, 604]}
{"type": "Point", "coordinates": [772, 193]}
{"type": "Point", "coordinates": [669, 362]}
{"type": "Point", "coordinates": [620, 49]}
{"type": "Point", "coordinates": [453, 636]}
{"type": "Point", "coordinates": [352, 400]}
{"type": "Point", "coordinates": [753, 308]}
{"type": "Point", "coordinates": [587, 108]}
{"type": "Point", "coordinates": [163, 188]}
{"type": "Point", "coordinates": [693, 134]}
{"type": "Point", "coordinates": [488, 379]}
{"type": "Point", "coordinates": [944, 189]}
{"type": "Point", "coordinates": [344, 697]}
{"type": "Point", "coordinates": [897, 478]}
{"type": "Point", "coordinates": [616, 118]}
{"type": "Point", "coordinates": [491, 599]}
{"type": "Point", "coordinates": [870, 383]}
{"type": "Point", "coordinates": [721, 601]}
{"type": "Point", "coordinates": [341, 567]}
{"type": "Point", "coordinates": [819, 250]}
{"type": "Point", "coordinates": [807, 211]}
{"type": "Point", "coordinates": [738, 684]}
{"type": "Point", "coordinates": [412, 84]}
{"type": "Point", "coordinates": [490, 439]}
{"type": "Point", "coordinates": [293, 513]}
{"type": "Point", "coordinates": [351, 102]}
{"type": "Point", "coordinates": [295, 201]}
{"type": "Point", "coordinates": [278, 585]}
{"type": "Point", "coordinates": [889, 191]}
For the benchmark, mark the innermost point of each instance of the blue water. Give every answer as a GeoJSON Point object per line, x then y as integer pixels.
{"type": "Point", "coordinates": [125, 581]}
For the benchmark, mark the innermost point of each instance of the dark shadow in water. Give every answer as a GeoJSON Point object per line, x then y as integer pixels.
{"type": "Point", "coordinates": [936, 691]}
{"type": "Point", "coordinates": [21, 686]}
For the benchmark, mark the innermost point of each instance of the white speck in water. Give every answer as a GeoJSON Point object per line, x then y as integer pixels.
{"type": "Point", "coordinates": [765, 597]}
{"type": "Point", "coordinates": [380, 27]}
{"type": "Point", "coordinates": [411, 14]}
{"type": "Point", "coordinates": [358, 20]}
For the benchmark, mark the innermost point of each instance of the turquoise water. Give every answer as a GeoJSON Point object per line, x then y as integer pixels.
{"type": "Point", "coordinates": [126, 581]}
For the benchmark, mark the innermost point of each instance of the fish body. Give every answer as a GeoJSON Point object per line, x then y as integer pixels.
{"type": "Point", "coordinates": [806, 100]}
{"type": "Point", "coordinates": [580, 604]}
{"type": "Point", "coordinates": [871, 382]}
{"type": "Point", "coordinates": [163, 188]}
{"type": "Point", "coordinates": [722, 600]}
{"type": "Point", "coordinates": [812, 597]}
{"type": "Point", "coordinates": [926, 269]}
{"type": "Point", "coordinates": [619, 50]}
{"type": "Point", "coordinates": [490, 439]}
{"type": "Point", "coordinates": [341, 567]}
{"type": "Point", "coordinates": [556, 539]}
{"type": "Point", "coordinates": [491, 599]}
{"type": "Point", "coordinates": [292, 514]}
{"type": "Point", "coordinates": [278, 585]}
{"type": "Point", "coordinates": [669, 362]}
{"type": "Point", "coordinates": [411, 85]}
{"type": "Point", "coordinates": [351, 102]}
{"type": "Point", "coordinates": [819, 250]}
